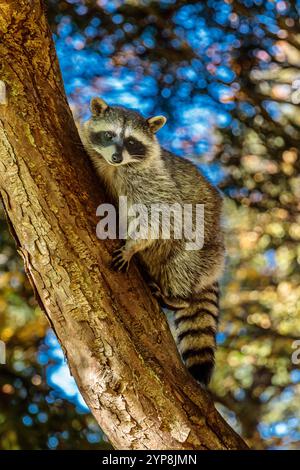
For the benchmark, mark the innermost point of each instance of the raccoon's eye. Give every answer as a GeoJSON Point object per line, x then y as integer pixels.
{"type": "Point", "coordinates": [135, 147]}
{"type": "Point", "coordinates": [108, 135]}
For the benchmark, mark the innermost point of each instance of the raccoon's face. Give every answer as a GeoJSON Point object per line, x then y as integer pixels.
{"type": "Point", "coordinates": [122, 136]}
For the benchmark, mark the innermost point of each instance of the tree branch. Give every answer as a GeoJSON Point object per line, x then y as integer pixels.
{"type": "Point", "coordinates": [117, 342]}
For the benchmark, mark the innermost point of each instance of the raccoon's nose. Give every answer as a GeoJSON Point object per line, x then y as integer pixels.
{"type": "Point", "coordinates": [117, 158]}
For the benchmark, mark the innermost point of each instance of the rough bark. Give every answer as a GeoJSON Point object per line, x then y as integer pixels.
{"type": "Point", "coordinates": [117, 342]}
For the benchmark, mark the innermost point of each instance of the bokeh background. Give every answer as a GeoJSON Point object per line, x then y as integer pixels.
{"type": "Point", "coordinates": [226, 74]}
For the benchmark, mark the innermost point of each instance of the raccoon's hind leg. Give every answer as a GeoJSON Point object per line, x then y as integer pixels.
{"type": "Point", "coordinates": [171, 303]}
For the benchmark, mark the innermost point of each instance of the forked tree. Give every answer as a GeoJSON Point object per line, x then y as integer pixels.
{"type": "Point", "coordinates": [115, 338]}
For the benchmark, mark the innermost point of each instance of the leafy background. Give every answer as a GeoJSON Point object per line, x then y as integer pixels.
{"type": "Point", "coordinates": [226, 74]}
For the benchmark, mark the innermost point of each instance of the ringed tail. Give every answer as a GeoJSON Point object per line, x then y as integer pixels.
{"type": "Point", "coordinates": [196, 328]}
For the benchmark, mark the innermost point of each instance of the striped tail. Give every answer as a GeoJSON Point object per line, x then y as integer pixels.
{"type": "Point", "coordinates": [196, 328]}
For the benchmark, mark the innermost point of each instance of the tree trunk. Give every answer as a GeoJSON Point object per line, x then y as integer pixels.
{"type": "Point", "coordinates": [117, 342]}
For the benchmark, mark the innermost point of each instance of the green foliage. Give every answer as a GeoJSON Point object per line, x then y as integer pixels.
{"type": "Point", "coordinates": [256, 385]}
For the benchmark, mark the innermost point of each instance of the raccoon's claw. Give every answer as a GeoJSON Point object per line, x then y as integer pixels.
{"type": "Point", "coordinates": [155, 290]}
{"type": "Point", "coordinates": [165, 301]}
{"type": "Point", "coordinates": [120, 262]}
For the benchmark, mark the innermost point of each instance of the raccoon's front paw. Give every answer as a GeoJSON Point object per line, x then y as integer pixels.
{"type": "Point", "coordinates": [120, 260]}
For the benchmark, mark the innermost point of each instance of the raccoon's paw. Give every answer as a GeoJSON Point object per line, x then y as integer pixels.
{"type": "Point", "coordinates": [155, 290]}
{"type": "Point", "coordinates": [166, 301]}
{"type": "Point", "coordinates": [120, 260]}
{"type": "Point", "coordinates": [158, 294]}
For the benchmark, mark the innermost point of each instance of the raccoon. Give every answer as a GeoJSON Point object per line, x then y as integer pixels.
{"type": "Point", "coordinates": [130, 162]}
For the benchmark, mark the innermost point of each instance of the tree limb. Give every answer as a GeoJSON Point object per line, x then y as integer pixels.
{"type": "Point", "coordinates": [118, 344]}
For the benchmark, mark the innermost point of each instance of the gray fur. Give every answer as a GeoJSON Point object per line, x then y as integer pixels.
{"type": "Point", "coordinates": [187, 281]}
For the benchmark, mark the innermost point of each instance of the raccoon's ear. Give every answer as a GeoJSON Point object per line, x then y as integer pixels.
{"type": "Point", "coordinates": [98, 106]}
{"type": "Point", "coordinates": [155, 123]}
